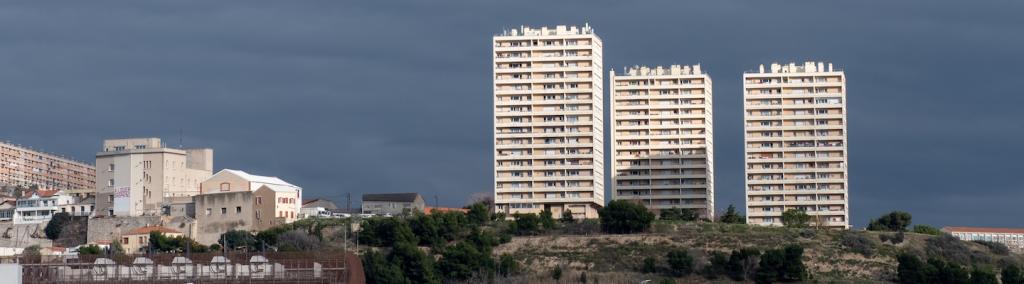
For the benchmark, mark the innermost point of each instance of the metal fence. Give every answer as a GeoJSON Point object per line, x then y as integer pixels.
{"type": "Point", "coordinates": [305, 267]}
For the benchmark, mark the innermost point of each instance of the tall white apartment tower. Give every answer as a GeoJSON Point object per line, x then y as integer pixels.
{"type": "Point", "coordinates": [548, 121]}
{"type": "Point", "coordinates": [662, 138]}
{"type": "Point", "coordinates": [795, 136]}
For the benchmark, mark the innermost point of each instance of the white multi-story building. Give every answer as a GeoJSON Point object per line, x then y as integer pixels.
{"type": "Point", "coordinates": [662, 142]}
{"type": "Point", "coordinates": [795, 136]}
{"type": "Point", "coordinates": [40, 206]}
{"type": "Point", "coordinates": [141, 176]}
{"type": "Point", "coordinates": [1012, 238]}
{"type": "Point", "coordinates": [548, 121]}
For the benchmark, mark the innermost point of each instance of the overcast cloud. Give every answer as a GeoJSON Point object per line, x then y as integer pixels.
{"type": "Point", "coordinates": [392, 96]}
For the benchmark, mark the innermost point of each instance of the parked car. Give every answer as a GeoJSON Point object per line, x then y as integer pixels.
{"type": "Point", "coordinates": [341, 215]}
{"type": "Point", "coordinates": [365, 215]}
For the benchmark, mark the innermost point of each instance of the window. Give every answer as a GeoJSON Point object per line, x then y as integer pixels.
{"type": "Point", "coordinates": [110, 182]}
{"type": "Point", "coordinates": [124, 240]}
{"type": "Point", "coordinates": [110, 168]}
{"type": "Point", "coordinates": [209, 211]}
{"type": "Point", "coordinates": [257, 215]}
{"type": "Point", "coordinates": [223, 210]}
{"type": "Point", "coordinates": [259, 200]}
{"type": "Point", "coordinates": [225, 186]}
{"type": "Point", "coordinates": [238, 209]}
{"type": "Point", "coordinates": [110, 198]}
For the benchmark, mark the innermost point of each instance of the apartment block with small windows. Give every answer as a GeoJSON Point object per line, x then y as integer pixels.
{"type": "Point", "coordinates": [662, 138]}
{"type": "Point", "coordinates": [142, 176]}
{"type": "Point", "coordinates": [796, 143]}
{"type": "Point", "coordinates": [548, 121]}
{"type": "Point", "coordinates": [22, 166]}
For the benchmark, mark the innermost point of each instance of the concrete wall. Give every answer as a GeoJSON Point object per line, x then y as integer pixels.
{"type": "Point", "coordinates": [110, 229]}
{"type": "Point", "coordinates": [217, 213]}
{"type": "Point", "coordinates": [23, 235]}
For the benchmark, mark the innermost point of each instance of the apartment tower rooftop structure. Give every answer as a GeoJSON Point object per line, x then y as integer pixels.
{"type": "Point", "coordinates": [662, 142]}
{"type": "Point", "coordinates": [140, 176]}
{"type": "Point", "coordinates": [796, 139]}
{"type": "Point", "coordinates": [22, 166]}
{"type": "Point", "coordinates": [548, 121]}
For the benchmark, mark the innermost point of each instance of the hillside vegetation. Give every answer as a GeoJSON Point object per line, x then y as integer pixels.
{"type": "Point", "coordinates": [627, 245]}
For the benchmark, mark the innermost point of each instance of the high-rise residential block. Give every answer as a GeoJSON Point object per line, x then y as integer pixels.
{"type": "Point", "coordinates": [548, 121]}
{"type": "Point", "coordinates": [21, 166]}
{"type": "Point", "coordinates": [142, 176]}
{"type": "Point", "coordinates": [795, 136]}
{"type": "Point", "coordinates": [662, 142]}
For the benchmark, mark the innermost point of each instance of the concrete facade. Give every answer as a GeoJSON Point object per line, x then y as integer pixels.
{"type": "Point", "coordinates": [236, 200]}
{"type": "Point", "coordinates": [548, 121]}
{"type": "Point", "coordinates": [662, 138]}
{"type": "Point", "coordinates": [795, 136]}
{"type": "Point", "coordinates": [392, 203]}
{"type": "Point", "coordinates": [21, 166]}
{"type": "Point", "coordinates": [141, 176]}
{"type": "Point", "coordinates": [136, 240]}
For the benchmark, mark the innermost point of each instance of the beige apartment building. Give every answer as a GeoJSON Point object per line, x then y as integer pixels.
{"type": "Point", "coordinates": [662, 142]}
{"type": "Point", "coordinates": [236, 200]}
{"type": "Point", "coordinates": [21, 166]}
{"type": "Point", "coordinates": [795, 136]}
{"type": "Point", "coordinates": [548, 121]}
{"type": "Point", "coordinates": [142, 176]}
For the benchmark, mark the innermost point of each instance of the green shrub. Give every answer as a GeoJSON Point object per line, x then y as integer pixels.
{"type": "Point", "coordinates": [994, 247]}
{"type": "Point", "coordinates": [625, 217]}
{"type": "Point", "coordinates": [56, 224]}
{"type": "Point", "coordinates": [681, 214]}
{"type": "Point", "coordinates": [1012, 274]}
{"type": "Point", "coordinates": [794, 218]}
{"type": "Point", "coordinates": [649, 266]}
{"type": "Point", "coordinates": [858, 243]}
{"type": "Point", "coordinates": [680, 263]}
{"type": "Point", "coordinates": [732, 217]}
{"type": "Point", "coordinates": [928, 230]}
{"type": "Point", "coordinates": [742, 263]}
{"type": "Point", "coordinates": [894, 221]}
{"type": "Point", "coordinates": [556, 273]}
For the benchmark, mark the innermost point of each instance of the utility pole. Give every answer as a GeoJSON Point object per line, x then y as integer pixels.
{"type": "Point", "coordinates": [348, 202]}
{"type": "Point", "coordinates": [436, 204]}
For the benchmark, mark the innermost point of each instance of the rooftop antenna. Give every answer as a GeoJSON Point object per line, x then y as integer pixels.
{"type": "Point", "coordinates": [181, 138]}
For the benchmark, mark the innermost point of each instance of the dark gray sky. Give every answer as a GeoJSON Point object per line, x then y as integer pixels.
{"type": "Point", "coordinates": [384, 96]}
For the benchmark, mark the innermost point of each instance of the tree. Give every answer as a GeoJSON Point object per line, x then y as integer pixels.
{"type": "Point", "coordinates": [910, 269]}
{"type": "Point", "coordinates": [583, 277]}
{"type": "Point", "coordinates": [525, 224]}
{"type": "Point", "coordinates": [769, 267]}
{"type": "Point", "coordinates": [928, 230]}
{"type": "Point", "coordinates": [894, 221]}
{"type": "Point", "coordinates": [793, 268]}
{"type": "Point", "coordinates": [682, 214]}
{"type": "Point", "coordinates": [378, 270]}
{"type": "Point", "coordinates": [567, 216]}
{"type": "Point", "coordinates": [556, 273]}
{"type": "Point", "coordinates": [464, 259]}
{"type": "Point", "coordinates": [297, 240]}
{"type": "Point", "coordinates": [478, 213]}
{"type": "Point", "coordinates": [31, 254]}
{"type": "Point", "coordinates": [624, 217]}
{"type": "Point", "coordinates": [680, 263]}
{"type": "Point", "coordinates": [57, 223]}
{"type": "Point", "coordinates": [731, 216]}
{"type": "Point", "coordinates": [794, 218]}
{"type": "Point", "coordinates": [507, 265]}
{"type": "Point", "coordinates": [717, 265]}
{"type": "Point", "coordinates": [89, 250]}
{"type": "Point", "coordinates": [1012, 274]}
{"type": "Point", "coordinates": [546, 219]}
{"type": "Point", "coordinates": [782, 265]}
{"type": "Point", "coordinates": [385, 232]}
{"type": "Point", "coordinates": [650, 265]}
{"type": "Point", "coordinates": [237, 239]}
{"type": "Point", "coordinates": [741, 263]}
{"type": "Point", "coordinates": [983, 276]}
{"type": "Point", "coordinates": [418, 267]}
